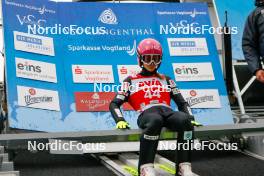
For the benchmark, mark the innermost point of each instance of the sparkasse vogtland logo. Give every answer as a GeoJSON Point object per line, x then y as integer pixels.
{"type": "Point", "coordinates": [108, 17]}
{"type": "Point", "coordinates": [92, 74]}
{"type": "Point", "coordinates": [127, 70]}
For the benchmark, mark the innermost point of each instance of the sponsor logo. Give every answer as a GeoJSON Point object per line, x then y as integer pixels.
{"type": "Point", "coordinates": [92, 74]}
{"type": "Point", "coordinates": [133, 50]}
{"type": "Point", "coordinates": [108, 17]}
{"type": "Point", "coordinates": [95, 101]}
{"type": "Point", "coordinates": [151, 86]}
{"type": "Point", "coordinates": [129, 49]}
{"type": "Point", "coordinates": [127, 70]}
{"type": "Point", "coordinates": [33, 43]}
{"type": "Point", "coordinates": [58, 29]}
{"type": "Point", "coordinates": [31, 99]}
{"type": "Point", "coordinates": [188, 46]}
{"type": "Point", "coordinates": [192, 13]}
{"type": "Point", "coordinates": [30, 20]}
{"type": "Point", "coordinates": [38, 98]}
{"type": "Point", "coordinates": [36, 70]}
{"type": "Point", "coordinates": [149, 82]}
{"type": "Point", "coordinates": [41, 10]}
{"type": "Point", "coordinates": [183, 44]}
{"type": "Point", "coordinates": [181, 27]}
{"type": "Point", "coordinates": [187, 135]}
{"type": "Point", "coordinates": [27, 66]}
{"type": "Point", "coordinates": [193, 71]}
{"type": "Point", "coordinates": [202, 98]}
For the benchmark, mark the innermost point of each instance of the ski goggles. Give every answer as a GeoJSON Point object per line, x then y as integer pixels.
{"type": "Point", "coordinates": [148, 59]}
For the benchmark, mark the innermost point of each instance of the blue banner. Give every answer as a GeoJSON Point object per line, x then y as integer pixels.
{"type": "Point", "coordinates": [59, 54]}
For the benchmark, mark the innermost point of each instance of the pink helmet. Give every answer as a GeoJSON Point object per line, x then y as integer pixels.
{"type": "Point", "coordinates": [147, 47]}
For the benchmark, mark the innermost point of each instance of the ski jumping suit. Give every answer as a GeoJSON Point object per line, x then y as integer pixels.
{"type": "Point", "coordinates": [155, 113]}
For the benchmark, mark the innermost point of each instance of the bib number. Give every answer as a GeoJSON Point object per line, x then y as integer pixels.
{"type": "Point", "coordinates": [149, 94]}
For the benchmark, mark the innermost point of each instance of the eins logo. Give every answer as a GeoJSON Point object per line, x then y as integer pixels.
{"type": "Point", "coordinates": [108, 17]}
{"type": "Point", "coordinates": [186, 71]}
{"type": "Point", "coordinates": [28, 67]}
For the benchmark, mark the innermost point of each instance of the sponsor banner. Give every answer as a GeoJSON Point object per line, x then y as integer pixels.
{"type": "Point", "coordinates": [202, 98]}
{"type": "Point", "coordinates": [127, 70]}
{"type": "Point", "coordinates": [193, 71]}
{"type": "Point", "coordinates": [130, 49]}
{"type": "Point", "coordinates": [95, 101]}
{"type": "Point", "coordinates": [192, 13]}
{"type": "Point", "coordinates": [28, 6]}
{"type": "Point", "coordinates": [36, 70]}
{"type": "Point", "coordinates": [34, 43]}
{"type": "Point", "coordinates": [92, 74]}
{"type": "Point", "coordinates": [38, 98]}
{"type": "Point", "coordinates": [188, 46]}
{"type": "Point", "coordinates": [108, 38]}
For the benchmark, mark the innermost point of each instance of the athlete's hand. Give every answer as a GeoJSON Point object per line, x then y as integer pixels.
{"type": "Point", "coordinates": [194, 123]}
{"type": "Point", "coordinates": [197, 124]}
{"type": "Point", "coordinates": [122, 125]}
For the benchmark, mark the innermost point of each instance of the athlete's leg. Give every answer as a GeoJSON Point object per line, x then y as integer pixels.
{"type": "Point", "coordinates": [180, 122]}
{"type": "Point", "coordinates": [151, 122]}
